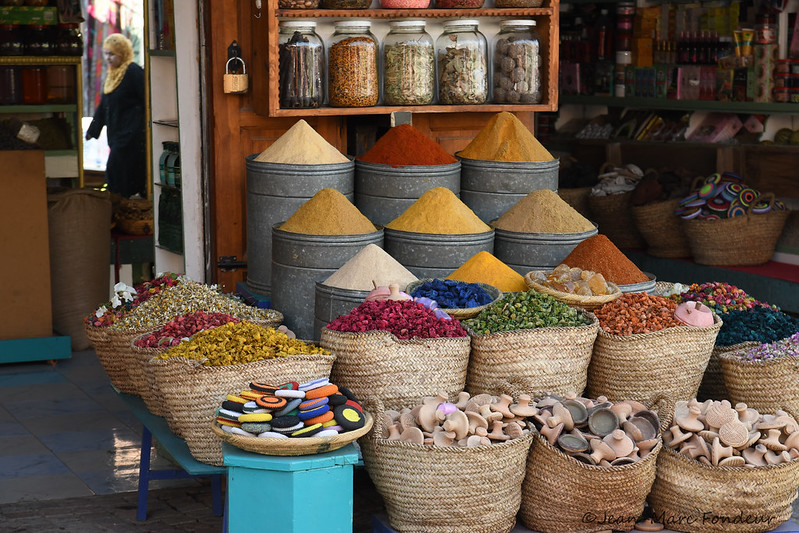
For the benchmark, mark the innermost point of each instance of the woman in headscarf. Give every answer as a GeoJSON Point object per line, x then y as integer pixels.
{"type": "Point", "coordinates": [122, 112]}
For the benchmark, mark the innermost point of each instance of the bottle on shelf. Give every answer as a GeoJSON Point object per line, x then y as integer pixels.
{"type": "Point", "coordinates": [604, 36]}
{"type": "Point", "coordinates": [11, 40]}
{"type": "Point", "coordinates": [39, 41]}
{"type": "Point", "coordinates": [69, 41]}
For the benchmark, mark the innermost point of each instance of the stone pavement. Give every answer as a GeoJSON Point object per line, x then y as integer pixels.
{"type": "Point", "coordinates": [173, 510]}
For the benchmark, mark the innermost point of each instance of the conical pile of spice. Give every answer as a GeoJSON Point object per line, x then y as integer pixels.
{"type": "Point", "coordinates": [598, 254]}
{"type": "Point", "coordinates": [439, 211]}
{"type": "Point", "coordinates": [543, 211]}
{"type": "Point", "coordinates": [301, 145]}
{"type": "Point", "coordinates": [506, 138]}
{"type": "Point", "coordinates": [328, 212]}
{"type": "Point", "coordinates": [405, 145]}
{"type": "Point", "coordinates": [483, 267]}
{"type": "Point", "coordinates": [370, 267]}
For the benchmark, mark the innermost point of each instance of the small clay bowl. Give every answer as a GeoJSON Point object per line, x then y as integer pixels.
{"type": "Point", "coordinates": [651, 416]}
{"type": "Point", "coordinates": [578, 411]}
{"type": "Point", "coordinates": [644, 425]}
{"type": "Point", "coordinates": [603, 421]}
{"type": "Point", "coordinates": [632, 431]}
{"type": "Point", "coordinates": [584, 458]}
{"type": "Point", "coordinates": [572, 444]}
{"type": "Point", "coordinates": [621, 461]}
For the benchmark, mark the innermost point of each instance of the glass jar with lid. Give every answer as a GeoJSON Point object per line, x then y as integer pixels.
{"type": "Point", "coordinates": [39, 41]}
{"type": "Point", "coordinates": [69, 41]}
{"type": "Point", "coordinates": [11, 40]}
{"type": "Point", "coordinates": [462, 64]}
{"type": "Point", "coordinates": [517, 63]}
{"type": "Point", "coordinates": [352, 65]}
{"type": "Point", "coordinates": [346, 4]}
{"type": "Point", "coordinates": [409, 72]}
{"type": "Point", "coordinates": [301, 55]}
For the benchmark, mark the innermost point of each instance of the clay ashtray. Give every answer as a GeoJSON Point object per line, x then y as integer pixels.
{"type": "Point", "coordinates": [603, 422]}
{"type": "Point", "coordinates": [644, 425]}
{"type": "Point", "coordinates": [578, 412]}
{"type": "Point", "coordinates": [572, 444]}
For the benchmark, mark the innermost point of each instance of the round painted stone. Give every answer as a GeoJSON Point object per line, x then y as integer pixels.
{"type": "Point", "coordinates": [311, 404]}
{"type": "Point", "coordinates": [290, 429]}
{"type": "Point", "coordinates": [348, 417]}
{"type": "Point", "coordinates": [718, 204]}
{"type": "Point", "coordinates": [255, 417]}
{"type": "Point", "coordinates": [307, 431]}
{"type": "Point", "coordinates": [235, 398]}
{"type": "Point", "coordinates": [311, 413]}
{"type": "Point", "coordinates": [761, 207]}
{"type": "Point", "coordinates": [729, 191]}
{"type": "Point", "coordinates": [271, 402]}
{"type": "Point", "coordinates": [706, 191]}
{"type": "Point", "coordinates": [291, 405]}
{"type": "Point", "coordinates": [314, 384]}
{"type": "Point", "coordinates": [256, 427]}
{"type": "Point", "coordinates": [290, 393]}
{"type": "Point", "coordinates": [337, 399]}
{"type": "Point", "coordinates": [320, 392]}
{"type": "Point", "coordinates": [713, 178]}
{"type": "Point", "coordinates": [348, 393]}
{"type": "Point", "coordinates": [354, 404]}
{"type": "Point", "coordinates": [237, 431]}
{"type": "Point", "coordinates": [285, 421]}
{"type": "Point", "coordinates": [227, 422]}
{"type": "Point", "coordinates": [250, 395]}
{"type": "Point", "coordinates": [272, 435]}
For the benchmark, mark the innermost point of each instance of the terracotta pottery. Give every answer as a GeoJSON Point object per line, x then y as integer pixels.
{"type": "Point", "coordinates": [442, 438]}
{"type": "Point", "coordinates": [621, 461]}
{"type": "Point", "coordinates": [477, 422]}
{"type": "Point", "coordinates": [746, 415]}
{"type": "Point", "coordinates": [676, 436]}
{"type": "Point", "coordinates": [476, 440]}
{"type": "Point", "coordinates": [735, 460]}
{"type": "Point", "coordinates": [709, 435]}
{"type": "Point", "coordinates": [497, 431]}
{"type": "Point", "coordinates": [646, 446]}
{"type": "Point", "coordinates": [772, 441]}
{"type": "Point", "coordinates": [413, 435]}
{"type": "Point", "coordinates": [571, 443]}
{"type": "Point", "coordinates": [458, 423]}
{"type": "Point", "coordinates": [584, 458]}
{"type": "Point", "coordinates": [621, 443]}
{"type": "Point", "coordinates": [426, 418]}
{"type": "Point", "coordinates": [514, 430]}
{"type": "Point", "coordinates": [718, 452]}
{"type": "Point", "coordinates": [734, 433]}
{"type": "Point", "coordinates": [463, 399]}
{"type": "Point", "coordinates": [622, 410]}
{"type": "Point", "coordinates": [691, 422]}
{"type": "Point", "coordinates": [649, 525]}
{"type": "Point", "coordinates": [644, 425]}
{"type": "Point", "coordinates": [551, 434]}
{"type": "Point", "coordinates": [503, 406]}
{"type": "Point", "coordinates": [792, 441]}
{"type": "Point", "coordinates": [632, 430]}
{"type": "Point", "coordinates": [561, 415]}
{"type": "Point", "coordinates": [719, 414]}
{"type": "Point", "coordinates": [755, 456]}
{"type": "Point", "coordinates": [603, 422]}
{"type": "Point", "coordinates": [523, 408]}
{"type": "Point", "coordinates": [601, 451]}
{"type": "Point", "coordinates": [578, 411]}
{"type": "Point", "coordinates": [651, 416]}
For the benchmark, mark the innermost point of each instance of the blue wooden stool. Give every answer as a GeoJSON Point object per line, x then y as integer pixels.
{"type": "Point", "coordinates": [298, 494]}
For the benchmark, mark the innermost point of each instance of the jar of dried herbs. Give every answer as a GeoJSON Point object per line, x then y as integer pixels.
{"type": "Point", "coordinates": [462, 64]}
{"type": "Point", "coordinates": [409, 73]}
{"type": "Point", "coordinates": [301, 55]}
{"type": "Point", "coordinates": [517, 63]}
{"type": "Point", "coordinates": [353, 65]}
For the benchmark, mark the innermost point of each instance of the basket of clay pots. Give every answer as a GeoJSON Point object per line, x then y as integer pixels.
{"type": "Point", "coordinates": [430, 462]}
{"type": "Point", "coordinates": [726, 469]}
{"type": "Point", "coordinates": [592, 463]}
{"type": "Point", "coordinates": [642, 346]}
{"type": "Point", "coordinates": [766, 384]}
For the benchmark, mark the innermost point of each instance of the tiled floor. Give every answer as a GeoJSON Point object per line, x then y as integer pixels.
{"type": "Point", "coordinates": [65, 433]}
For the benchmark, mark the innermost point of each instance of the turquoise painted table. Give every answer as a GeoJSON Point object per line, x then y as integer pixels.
{"type": "Point", "coordinates": [299, 494]}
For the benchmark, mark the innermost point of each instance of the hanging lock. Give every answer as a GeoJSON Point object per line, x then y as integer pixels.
{"type": "Point", "coordinates": [236, 83]}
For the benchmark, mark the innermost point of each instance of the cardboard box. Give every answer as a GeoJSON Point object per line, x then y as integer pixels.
{"type": "Point", "coordinates": [29, 15]}
{"type": "Point", "coordinates": [25, 300]}
{"type": "Point", "coordinates": [688, 82]}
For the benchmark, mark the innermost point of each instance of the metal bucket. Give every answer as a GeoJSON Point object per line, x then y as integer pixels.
{"type": "Point", "coordinates": [274, 192]}
{"type": "Point", "coordinates": [490, 188]}
{"type": "Point", "coordinates": [645, 286]}
{"type": "Point", "coordinates": [432, 255]}
{"type": "Point", "coordinates": [524, 252]}
{"type": "Point", "coordinates": [384, 192]}
{"type": "Point", "coordinates": [331, 302]}
{"type": "Point", "coordinates": [299, 261]}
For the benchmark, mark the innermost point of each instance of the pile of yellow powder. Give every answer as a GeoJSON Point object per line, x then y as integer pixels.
{"type": "Point", "coordinates": [301, 145]}
{"type": "Point", "coordinates": [328, 212]}
{"type": "Point", "coordinates": [505, 138]}
{"type": "Point", "coordinates": [439, 211]}
{"type": "Point", "coordinates": [543, 211]}
{"type": "Point", "coordinates": [483, 267]}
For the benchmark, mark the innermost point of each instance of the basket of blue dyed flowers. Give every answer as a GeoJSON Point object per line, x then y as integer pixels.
{"type": "Point", "coordinates": [458, 299]}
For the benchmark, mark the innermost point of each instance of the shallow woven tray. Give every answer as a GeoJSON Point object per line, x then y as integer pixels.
{"type": "Point", "coordinates": [588, 303]}
{"type": "Point", "coordinates": [293, 446]}
{"type": "Point", "coordinates": [469, 312]}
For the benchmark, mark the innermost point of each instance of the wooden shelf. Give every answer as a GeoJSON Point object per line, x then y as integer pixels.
{"type": "Point", "coordinates": [766, 108]}
{"type": "Point", "coordinates": [161, 53]}
{"type": "Point", "coordinates": [40, 60]}
{"type": "Point", "coordinates": [547, 27]}
{"type": "Point", "coordinates": [39, 108]}
{"type": "Point", "coordinates": [171, 123]}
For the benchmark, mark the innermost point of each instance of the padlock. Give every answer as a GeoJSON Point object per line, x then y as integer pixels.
{"type": "Point", "coordinates": [236, 83]}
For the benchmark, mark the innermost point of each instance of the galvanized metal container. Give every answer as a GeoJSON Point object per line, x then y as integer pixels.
{"type": "Point", "coordinates": [429, 255]}
{"type": "Point", "coordinates": [490, 188]}
{"type": "Point", "coordinates": [384, 192]}
{"type": "Point", "coordinates": [331, 302]}
{"type": "Point", "coordinates": [644, 286]}
{"type": "Point", "coordinates": [299, 261]}
{"type": "Point", "coordinates": [524, 252]}
{"type": "Point", "coordinates": [274, 192]}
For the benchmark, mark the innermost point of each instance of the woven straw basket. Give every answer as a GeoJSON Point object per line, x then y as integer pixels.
{"type": "Point", "coordinates": [671, 360]}
{"type": "Point", "coordinates": [614, 218]}
{"type": "Point", "coordinates": [661, 229]}
{"type": "Point", "coordinates": [377, 365]}
{"type": "Point", "coordinates": [97, 336]}
{"type": "Point", "coordinates": [462, 313]}
{"type": "Point", "coordinates": [744, 240]}
{"type": "Point", "coordinates": [115, 356]}
{"type": "Point", "coordinates": [577, 198]}
{"type": "Point", "coordinates": [561, 494]}
{"type": "Point", "coordinates": [690, 496]}
{"type": "Point", "coordinates": [589, 303]}
{"type": "Point", "coordinates": [446, 489]}
{"type": "Point", "coordinates": [191, 392]}
{"type": "Point", "coordinates": [763, 385]}
{"type": "Point", "coordinates": [712, 386]}
{"type": "Point", "coordinates": [539, 361]}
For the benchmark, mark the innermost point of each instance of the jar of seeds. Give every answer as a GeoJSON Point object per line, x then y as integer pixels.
{"type": "Point", "coordinates": [517, 63]}
{"type": "Point", "coordinates": [301, 55]}
{"type": "Point", "coordinates": [462, 65]}
{"type": "Point", "coordinates": [353, 65]}
{"type": "Point", "coordinates": [409, 73]}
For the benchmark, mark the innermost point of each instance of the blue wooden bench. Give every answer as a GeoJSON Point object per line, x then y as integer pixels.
{"type": "Point", "coordinates": [177, 448]}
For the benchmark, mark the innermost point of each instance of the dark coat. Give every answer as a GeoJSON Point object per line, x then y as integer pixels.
{"type": "Point", "coordinates": [122, 112]}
